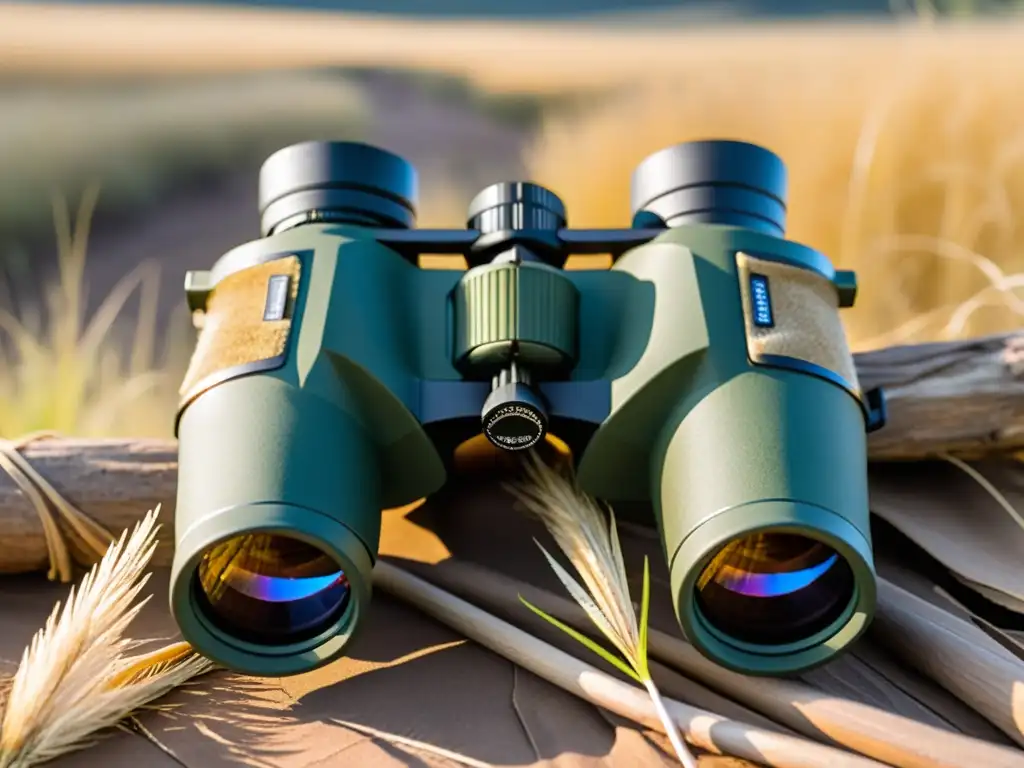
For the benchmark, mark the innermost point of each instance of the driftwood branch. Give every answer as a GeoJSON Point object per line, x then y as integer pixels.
{"type": "Point", "coordinates": [963, 398]}
{"type": "Point", "coordinates": [115, 482]}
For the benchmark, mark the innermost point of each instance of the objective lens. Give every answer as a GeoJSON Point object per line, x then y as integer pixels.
{"type": "Point", "coordinates": [270, 589]}
{"type": "Point", "coordinates": [774, 588]}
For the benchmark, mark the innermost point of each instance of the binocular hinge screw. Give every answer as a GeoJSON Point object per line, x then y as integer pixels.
{"type": "Point", "coordinates": [516, 255]}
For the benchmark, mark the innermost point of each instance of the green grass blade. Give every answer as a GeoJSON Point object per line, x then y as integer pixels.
{"type": "Point", "coordinates": [585, 641]}
{"type": "Point", "coordinates": [584, 600]}
{"type": "Point", "coordinates": [645, 611]}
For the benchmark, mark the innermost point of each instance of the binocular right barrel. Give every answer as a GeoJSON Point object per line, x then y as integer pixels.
{"type": "Point", "coordinates": [328, 365]}
{"type": "Point", "coordinates": [759, 475]}
{"type": "Point", "coordinates": [760, 490]}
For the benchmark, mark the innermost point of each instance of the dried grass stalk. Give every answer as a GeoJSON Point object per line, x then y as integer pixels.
{"type": "Point", "coordinates": [76, 677]}
{"type": "Point", "coordinates": [578, 526]}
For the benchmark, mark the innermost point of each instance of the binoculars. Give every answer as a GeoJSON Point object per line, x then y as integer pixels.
{"type": "Point", "coordinates": [705, 374]}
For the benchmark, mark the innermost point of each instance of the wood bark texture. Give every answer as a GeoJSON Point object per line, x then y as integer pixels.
{"type": "Point", "coordinates": [964, 398]}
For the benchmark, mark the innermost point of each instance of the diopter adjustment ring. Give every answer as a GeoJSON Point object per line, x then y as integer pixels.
{"type": "Point", "coordinates": [516, 213]}
{"type": "Point", "coordinates": [505, 311]}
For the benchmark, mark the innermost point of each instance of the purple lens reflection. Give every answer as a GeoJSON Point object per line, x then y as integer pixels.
{"type": "Point", "coordinates": [277, 589]}
{"type": "Point", "coordinates": [271, 588]}
{"type": "Point", "coordinates": [771, 584]}
{"type": "Point", "coordinates": [774, 588]}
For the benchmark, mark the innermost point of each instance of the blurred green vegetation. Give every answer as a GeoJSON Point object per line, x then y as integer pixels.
{"type": "Point", "coordinates": [524, 111]}
{"type": "Point", "coordinates": [138, 140]}
{"type": "Point", "coordinates": [963, 8]}
{"type": "Point", "coordinates": [92, 376]}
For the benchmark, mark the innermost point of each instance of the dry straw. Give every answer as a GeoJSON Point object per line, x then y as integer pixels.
{"type": "Point", "coordinates": [578, 527]}
{"type": "Point", "coordinates": [76, 678]}
{"type": "Point", "coordinates": [904, 151]}
{"type": "Point", "coordinates": [78, 375]}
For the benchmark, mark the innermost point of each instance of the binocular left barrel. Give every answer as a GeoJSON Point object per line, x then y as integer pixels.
{"type": "Point", "coordinates": [279, 499]}
{"type": "Point", "coordinates": [712, 381]}
{"type": "Point", "coordinates": [278, 523]}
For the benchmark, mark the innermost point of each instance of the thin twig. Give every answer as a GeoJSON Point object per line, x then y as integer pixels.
{"type": "Point", "coordinates": [519, 713]}
{"type": "Point", "coordinates": [404, 741]}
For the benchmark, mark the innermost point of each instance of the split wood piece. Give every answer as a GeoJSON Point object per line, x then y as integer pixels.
{"type": "Point", "coordinates": [954, 653]}
{"type": "Point", "coordinates": [702, 729]}
{"type": "Point", "coordinates": [968, 517]}
{"type": "Point", "coordinates": [114, 481]}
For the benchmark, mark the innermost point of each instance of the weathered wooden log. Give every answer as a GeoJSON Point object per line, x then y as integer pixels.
{"type": "Point", "coordinates": [114, 481]}
{"type": "Point", "coordinates": [963, 398]}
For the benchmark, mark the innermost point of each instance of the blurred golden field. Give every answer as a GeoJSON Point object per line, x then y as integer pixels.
{"type": "Point", "coordinates": [905, 144]}
{"type": "Point", "coordinates": [912, 175]}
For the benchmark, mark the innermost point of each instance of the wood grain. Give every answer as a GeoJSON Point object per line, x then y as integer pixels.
{"type": "Point", "coordinates": [114, 481]}
{"type": "Point", "coordinates": [955, 654]}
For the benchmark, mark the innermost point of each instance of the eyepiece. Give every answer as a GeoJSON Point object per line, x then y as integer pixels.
{"type": "Point", "coordinates": [713, 182]}
{"type": "Point", "coordinates": [270, 589]}
{"type": "Point", "coordinates": [774, 588]}
{"type": "Point", "coordinates": [346, 182]}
